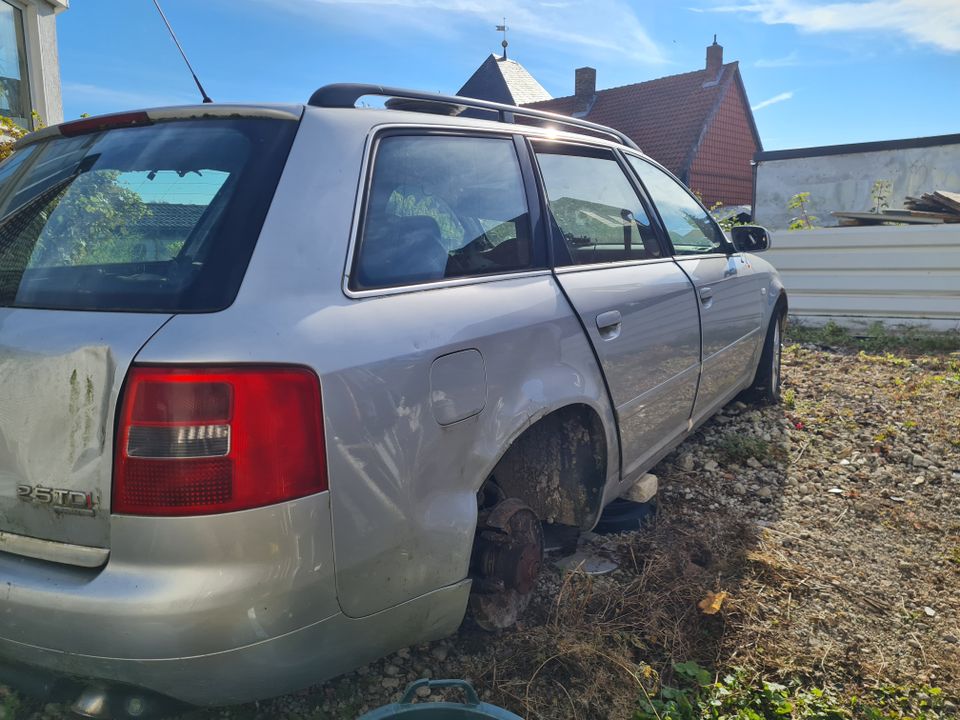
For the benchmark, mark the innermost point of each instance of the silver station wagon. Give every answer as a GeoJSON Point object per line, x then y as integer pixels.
{"type": "Point", "coordinates": [286, 388]}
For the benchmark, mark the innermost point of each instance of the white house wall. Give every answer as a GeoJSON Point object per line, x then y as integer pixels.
{"type": "Point", "coordinates": [844, 182]}
{"type": "Point", "coordinates": [908, 275]}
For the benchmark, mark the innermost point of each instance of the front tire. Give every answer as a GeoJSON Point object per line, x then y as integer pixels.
{"type": "Point", "coordinates": [766, 384]}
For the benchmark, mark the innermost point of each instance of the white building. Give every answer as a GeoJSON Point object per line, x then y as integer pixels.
{"type": "Point", "coordinates": [841, 177]}
{"type": "Point", "coordinates": [29, 65]}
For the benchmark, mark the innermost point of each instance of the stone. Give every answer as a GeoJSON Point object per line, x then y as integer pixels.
{"type": "Point", "coordinates": [390, 683]}
{"type": "Point", "coordinates": [764, 493]}
{"type": "Point", "coordinates": [739, 488]}
{"type": "Point", "coordinates": [391, 670]}
{"type": "Point", "coordinates": [439, 652]}
{"type": "Point", "coordinates": [424, 692]}
{"type": "Point", "coordinates": [643, 490]}
{"type": "Point", "coordinates": [920, 461]}
{"type": "Point", "coordinates": [711, 465]}
{"type": "Point", "coordinates": [686, 462]}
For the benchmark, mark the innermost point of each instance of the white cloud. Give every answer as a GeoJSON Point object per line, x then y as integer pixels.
{"type": "Point", "coordinates": [772, 101]}
{"type": "Point", "coordinates": [608, 27]}
{"type": "Point", "coordinates": [791, 60]}
{"type": "Point", "coordinates": [927, 22]}
{"type": "Point", "coordinates": [96, 96]}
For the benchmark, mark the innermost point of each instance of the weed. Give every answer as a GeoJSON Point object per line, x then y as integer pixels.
{"type": "Point", "coordinates": [736, 448]}
{"type": "Point", "coordinates": [9, 704]}
{"type": "Point", "coordinates": [877, 339]}
{"type": "Point", "coordinates": [789, 398]}
{"type": "Point", "coordinates": [739, 695]}
{"type": "Point", "coordinates": [803, 221]}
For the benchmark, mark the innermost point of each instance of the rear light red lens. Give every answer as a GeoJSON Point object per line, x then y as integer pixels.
{"type": "Point", "coordinates": [104, 122]}
{"type": "Point", "coordinates": [193, 441]}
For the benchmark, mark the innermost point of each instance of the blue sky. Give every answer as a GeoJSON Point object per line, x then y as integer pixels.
{"type": "Point", "coordinates": [817, 72]}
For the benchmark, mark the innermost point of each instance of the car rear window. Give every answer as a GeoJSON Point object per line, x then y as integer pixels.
{"type": "Point", "coordinates": [160, 218]}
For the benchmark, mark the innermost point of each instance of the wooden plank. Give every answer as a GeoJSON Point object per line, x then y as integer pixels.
{"type": "Point", "coordinates": [876, 218]}
{"type": "Point", "coordinates": [950, 199]}
{"type": "Point", "coordinates": [936, 204]}
{"type": "Point", "coordinates": [945, 216]}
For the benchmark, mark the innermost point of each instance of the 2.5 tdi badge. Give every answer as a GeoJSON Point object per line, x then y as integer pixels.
{"type": "Point", "coordinates": [59, 499]}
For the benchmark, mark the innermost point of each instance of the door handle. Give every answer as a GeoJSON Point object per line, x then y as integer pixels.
{"type": "Point", "coordinates": [706, 295]}
{"type": "Point", "coordinates": [609, 320]}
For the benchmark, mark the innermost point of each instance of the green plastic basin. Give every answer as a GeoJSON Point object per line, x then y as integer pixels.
{"type": "Point", "coordinates": [409, 709]}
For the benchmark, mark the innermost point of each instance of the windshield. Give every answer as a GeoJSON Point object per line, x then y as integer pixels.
{"type": "Point", "coordinates": [160, 218]}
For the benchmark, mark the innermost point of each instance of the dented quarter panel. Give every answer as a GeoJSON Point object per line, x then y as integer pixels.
{"type": "Point", "coordinates": [60, 377]}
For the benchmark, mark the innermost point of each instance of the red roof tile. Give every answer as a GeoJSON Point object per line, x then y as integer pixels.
{"type": "Point", "coordinates": [666, 117]}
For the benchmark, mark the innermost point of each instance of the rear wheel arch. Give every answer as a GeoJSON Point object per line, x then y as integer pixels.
{"type": "Point", "coordinates": [558, 466]}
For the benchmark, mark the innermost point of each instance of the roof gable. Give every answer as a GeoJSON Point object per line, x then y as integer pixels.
{"type": "Point", "coordinates": [505, 81]}
{"type": "Point", "coordinates": [680, 110]}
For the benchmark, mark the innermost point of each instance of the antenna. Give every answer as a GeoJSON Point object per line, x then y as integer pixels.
{"type": "Point", "coordinates": [203, 93]}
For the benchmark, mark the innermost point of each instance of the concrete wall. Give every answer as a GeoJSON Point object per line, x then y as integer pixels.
{"type": "Point", "coordinates": [858, 275]}
{"type": "Point", "coordinates": [843, 182]}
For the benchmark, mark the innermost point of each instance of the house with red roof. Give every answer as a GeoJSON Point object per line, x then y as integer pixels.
{"type": "Point", "coordinates": [697, 124]}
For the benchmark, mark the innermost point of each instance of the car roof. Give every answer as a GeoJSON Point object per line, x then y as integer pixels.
{"type": "Point", "coordinates": [371, 119]}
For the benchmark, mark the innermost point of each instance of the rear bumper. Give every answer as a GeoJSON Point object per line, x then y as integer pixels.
{"type": "Point", "coordinates": [268, 668]}
{"type": "Point", "coordinates": [208, 610]}
{"type": "Point", "coordinates": [180, 587]}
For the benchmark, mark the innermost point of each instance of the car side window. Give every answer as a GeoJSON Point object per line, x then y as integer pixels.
{"type": "Point", "coordinates": [440, 207]}
{"type": "Point", "coordinates": [594, 208]}
{"type": "Point", "coordinates": [692, 231]}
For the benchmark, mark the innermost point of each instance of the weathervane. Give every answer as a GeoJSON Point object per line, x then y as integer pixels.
{"type": "Point", "coordinates": [503, 28]}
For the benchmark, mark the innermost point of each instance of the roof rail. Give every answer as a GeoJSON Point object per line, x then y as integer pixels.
{"type": "Point", "coordinates": [345, 95]}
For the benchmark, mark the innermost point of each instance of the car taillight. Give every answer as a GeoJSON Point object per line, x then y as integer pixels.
{"type": "Point", "coordinates": [194, 441]}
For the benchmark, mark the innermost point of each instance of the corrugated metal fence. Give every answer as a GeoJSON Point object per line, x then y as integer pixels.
{"type": "Point", "coordinates": [858, 275]}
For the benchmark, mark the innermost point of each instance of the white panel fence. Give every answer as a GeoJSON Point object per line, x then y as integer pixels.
{"type": "Point", "coordinates": [906, 275]}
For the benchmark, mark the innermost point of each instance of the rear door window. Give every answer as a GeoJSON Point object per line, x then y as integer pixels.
{"type": "Point", "coordinates": [443, 207]}
{"type": "Point", "coordinates": [597, 216]}
{"type": "Point", "coordinates": [157, 218]}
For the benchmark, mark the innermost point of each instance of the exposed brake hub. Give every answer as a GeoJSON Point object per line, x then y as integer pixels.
{"type": "Point", "coordinates": [507, 556]}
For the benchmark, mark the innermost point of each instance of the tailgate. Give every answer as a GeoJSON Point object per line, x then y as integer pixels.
{"type": "Point", "coordinates": [60, 377]}
{"type": "Point", "coordinates": [108, 227]}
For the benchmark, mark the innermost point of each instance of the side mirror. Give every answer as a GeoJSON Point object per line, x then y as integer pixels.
{"type": "Point", "coordinates": [750, 238]}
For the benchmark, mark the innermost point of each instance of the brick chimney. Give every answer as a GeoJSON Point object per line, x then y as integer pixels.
{"type": "Point", "coordinates": [584, 89]}
{"type": "Point", "coordinates": [714, 58]}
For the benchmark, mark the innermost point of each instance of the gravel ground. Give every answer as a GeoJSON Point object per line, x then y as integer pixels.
{"type": "Point", "coordinates": [825, 530]}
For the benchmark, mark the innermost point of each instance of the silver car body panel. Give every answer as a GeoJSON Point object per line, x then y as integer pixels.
{"type": "Point", "coordinates": [732, 324]}
{"type": "Point", "coordinates": [61, 375]}
{"type": "Point", "coordinates": [403, 486]}
{"type": "Point", "coordinates": [176, 587]}
{"type": "Point", "coordinates": [650, 355]}
{"type": "Point", "coordinates": [313, 587]}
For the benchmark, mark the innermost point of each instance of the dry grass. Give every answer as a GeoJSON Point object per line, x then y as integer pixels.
{"type": "Point", "coordinates": [596, 644]}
